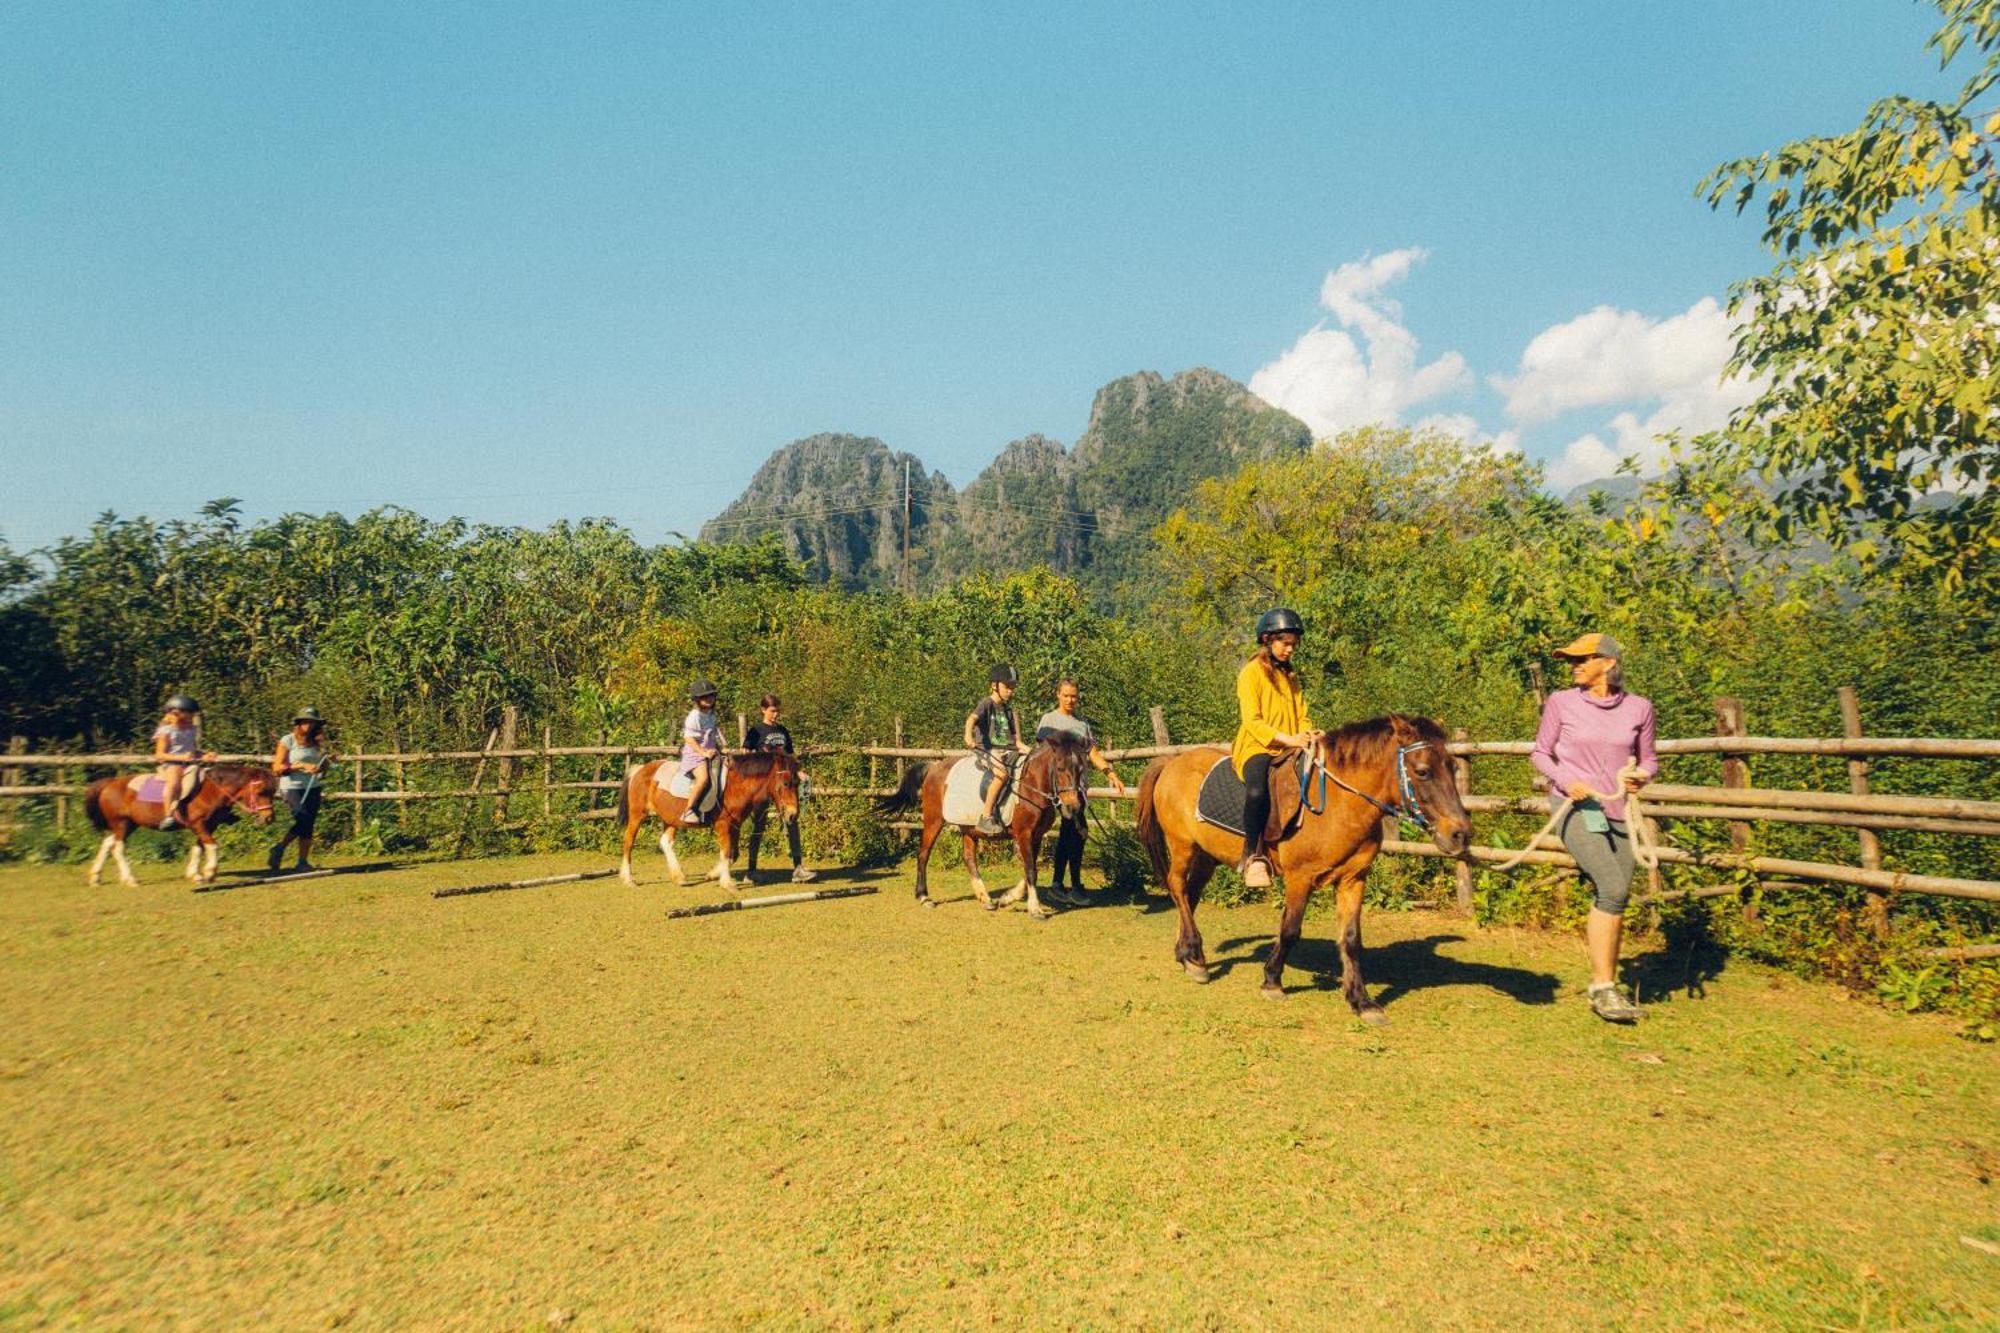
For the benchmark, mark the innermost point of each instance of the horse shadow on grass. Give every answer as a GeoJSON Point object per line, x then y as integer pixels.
{"type": "Point", "coordinates": [1393, 970]}
{"type": "Point", "coordinates": [1676, 966]}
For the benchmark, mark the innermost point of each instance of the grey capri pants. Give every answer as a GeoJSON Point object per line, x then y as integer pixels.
{"type": "Point", "coordinates": [1605, 858]}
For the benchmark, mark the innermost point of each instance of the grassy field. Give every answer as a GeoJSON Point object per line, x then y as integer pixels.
{"type": "Point", "coordinates": [343, 1102]}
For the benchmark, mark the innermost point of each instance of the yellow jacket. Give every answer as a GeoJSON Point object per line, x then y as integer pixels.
{"type": "Point", "coordinates": [1271, 702]}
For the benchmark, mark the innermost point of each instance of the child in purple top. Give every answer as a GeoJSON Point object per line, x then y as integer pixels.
{"type": "Point", "coordinates": [701, 741]}
{"type": "Point", "coordinates": [1589, 738]}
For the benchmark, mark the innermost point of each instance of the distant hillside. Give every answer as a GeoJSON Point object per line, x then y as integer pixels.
{"type": "Point", "coordinates": [836, 500]}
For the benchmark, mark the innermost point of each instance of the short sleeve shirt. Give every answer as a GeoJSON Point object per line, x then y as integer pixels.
{"type": "Point", "coordinates": [772, 739]}
{"type": "Point", "coordinates": [1069, 724]}
{"type": "Point", "coordinates": [994, 724]}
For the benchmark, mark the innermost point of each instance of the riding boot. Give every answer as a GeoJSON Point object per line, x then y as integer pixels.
{"type": "Point", "coordinates": [1255, 866]}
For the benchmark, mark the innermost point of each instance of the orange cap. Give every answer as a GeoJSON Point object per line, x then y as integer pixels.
{"type": "Point", "coordinates": [1592, 645]}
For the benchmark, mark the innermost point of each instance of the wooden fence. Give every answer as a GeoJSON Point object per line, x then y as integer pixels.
{"type": "Point", "coordinates": [530, 773]}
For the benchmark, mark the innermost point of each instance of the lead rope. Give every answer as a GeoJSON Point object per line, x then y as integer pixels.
{"type": "Point", "coordinates": [1645, 840]}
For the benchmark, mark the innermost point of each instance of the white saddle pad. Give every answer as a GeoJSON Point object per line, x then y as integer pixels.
{"type": "Point", "coordinates": [680, 784]}
{"type": "Point", "coordinates": [962, 802]}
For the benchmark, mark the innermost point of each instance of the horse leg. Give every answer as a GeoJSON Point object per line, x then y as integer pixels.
{"type": "Point", "coordinates": [971, 846]}
{"type": "Point", "coordinates": [1291, 921]}
{"type": "Point", "coordinates": [193, 870]}
{"type": "Point", "coordinates": [1351, 985]}
{"type": "Point", "coordinates": [1187, 874]}
{"type": "Point", "coordinates": [925, 841]}
{"type": "Point", "coordinates": [103, 851]}
{"type": "Point", "coordinates": [1030, 848]}
{"type": "Point", "coordinates": [725, 851]}
{"type": "Point", "coordinates": [125, 875]}
{"type": "Point", "coordinates": [635, 818]}
{"type": "Point", "coordinates": [667, 850]}
{"type": "Point", "coordinates": [212, 850]}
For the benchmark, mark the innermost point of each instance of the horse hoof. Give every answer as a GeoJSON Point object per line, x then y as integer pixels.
{"type": "Point", "coordinates": [926, 900]}
{"type": "Point", "coordinates": [1271, 992]}
{"type": "Point", "coordinates": [1040, 913]}
{"type": "Point", "coordinates": [989, 905]}
{"type": "Point", "coordinates": [1374, 1018]}
{"type": "Point", "coordinates": [1198, 971]}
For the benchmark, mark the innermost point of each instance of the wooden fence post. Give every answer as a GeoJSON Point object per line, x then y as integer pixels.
{"type": "Point", "coordinates": [17, 745]}
{"type": "Point", "coordinates": [548, 774]}
{"type": "Point", "coordinates": [1857, 782]}
{"type": "Point", "coordinates": [472, 802]}
{"type": "Point", "coordinates": [899, 745]}
{"type": "Point", "coordinates": [63, 779]}
{"type": "Point", "coordinates": [1735, 772]}
{"type": "Point", "coordinates": [510, 721]}
{"type": "Point", "coordinates": [357, 791]}
{"type": "Point", "coordinates": [742, 731]}
{"type": "Point", "coordinates": [1462, 871]}
{"type": "Point", "coordinates": [1159, 716]}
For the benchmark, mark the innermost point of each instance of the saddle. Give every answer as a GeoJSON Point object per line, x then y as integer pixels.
{"type": "Point", "coordinates": [1223, 797]}
{"type": "Point", "coordinates": [711, 796]}
{"type": "Point", "coordinates": [965, 789]}
{"type": "Point", "coordinates": [152, 787]}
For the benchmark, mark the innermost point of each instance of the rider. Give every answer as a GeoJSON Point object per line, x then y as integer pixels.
{"type": "Point", "coordinates": [993, 733]}
{"type": "Point", "coordinates": [1062, 720]}
{"type": "Point", "coordinates": [1275, 720]}
{"type": "Point", "coordinates": [768, 735]}
{"type": "Point", "coordinates": [177, 750]}
{"type": "Point", "coordinates": [302, 757]}
{"type": "Point", "coordinates": [701, 742]}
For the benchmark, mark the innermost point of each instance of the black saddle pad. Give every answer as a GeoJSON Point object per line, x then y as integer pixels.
{"type": "Point", "coordinates": [1222, 797]}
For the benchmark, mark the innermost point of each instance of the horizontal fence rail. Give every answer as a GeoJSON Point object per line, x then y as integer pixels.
{"type": "Point", "coordinates": [504, 769]}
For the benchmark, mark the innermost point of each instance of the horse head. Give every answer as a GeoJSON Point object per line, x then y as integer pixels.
{"type": "Point", "coordinates": [1427, 782]}
{"type": "Point", "coordinates": [778, 775]}
{"type": "Point", "coordinates": [1068, 773]}
{"type": "Point", "coordinates": [251, 790]}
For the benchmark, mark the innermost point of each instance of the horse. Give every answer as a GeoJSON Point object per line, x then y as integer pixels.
{"type": "Point", "coordinates": [1392, 765]}
{"type": "Point", "coordinates": [754, 780]}
{"type": "Point", "coordinates": [224, 790]}
{"type": "Point", "coordinates": [1051, 781]}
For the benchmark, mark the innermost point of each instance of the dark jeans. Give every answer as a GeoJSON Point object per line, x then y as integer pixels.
{"type": "Point", "coordinates": [1069, 852]}
{"type": "Point", "coordinates": [1257, 798]}
{"type": "Point", "coordinates": [757, 822]}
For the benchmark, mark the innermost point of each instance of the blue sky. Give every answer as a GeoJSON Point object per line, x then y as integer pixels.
{"type": "Point", "coordinates": [531, 262]}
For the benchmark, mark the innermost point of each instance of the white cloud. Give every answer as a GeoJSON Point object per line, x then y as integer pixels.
{"type": "Point", "coordinates": [1673, 366]}
{"type": "Point", "coordinates": [1466, 427]}
{"type": "Point", "coordinates": [1327, 379]}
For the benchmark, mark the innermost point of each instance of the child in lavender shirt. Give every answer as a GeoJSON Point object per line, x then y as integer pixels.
{"type": "Point", "coordinates": [1589, 738]}
{"type": "Point", "coordinates": [701, 741]}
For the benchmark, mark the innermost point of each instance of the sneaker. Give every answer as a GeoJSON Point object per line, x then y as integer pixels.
{"type": "Point", "coordinates": [1257, 873]}
{"type": "Point", "coordinates": [690, 817]}
{"type": "Point", "coordinates": [801, 875]}
{"type": "Point", "coordinates": [303, 865]}
{"type": "Point", "coordinates": [1610, 1003]}
{"type": "Point", "coordinates": [989, 826]}
{"type": "Point", "coordinates": [1063, 897]}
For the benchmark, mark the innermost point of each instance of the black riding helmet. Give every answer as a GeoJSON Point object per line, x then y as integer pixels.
{"type": "Point", "coordinates": [181, 703]}
{"type": "Point", "coordinates": [1002, 674]}
{"type": "Point", "coordinates": [308, 714]}
{"type": "Point", "coordinates": [701, 689]}
{"type": "Point", "coordinates": [1279, 620]}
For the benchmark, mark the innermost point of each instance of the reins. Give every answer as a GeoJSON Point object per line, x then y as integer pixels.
{"type": "Point", "coordinates": [1645, 840]}
{"type": "Point", "coordinates": [1406, 808]}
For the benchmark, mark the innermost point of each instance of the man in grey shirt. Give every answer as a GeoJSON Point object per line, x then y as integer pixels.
{"type": "Point", "coordinates": [1063, 720]}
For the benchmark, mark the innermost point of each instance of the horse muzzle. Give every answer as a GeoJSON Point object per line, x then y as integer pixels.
{"type": "Point", "coordinates": [1452, 836]}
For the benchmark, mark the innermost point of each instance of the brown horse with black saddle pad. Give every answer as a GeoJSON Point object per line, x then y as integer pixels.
{"type": "Point", "coordinates": [749, 781]}
{"type": "Point", "coordinates": [1327, 803]}
{"type": "Point", "coordinates": [119, 805]}
{"type": "Point", "coordinates": [1050, 782]}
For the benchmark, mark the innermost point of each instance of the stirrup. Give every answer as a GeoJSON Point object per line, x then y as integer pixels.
{"type": "Point", "coordinates": [1256, 870]}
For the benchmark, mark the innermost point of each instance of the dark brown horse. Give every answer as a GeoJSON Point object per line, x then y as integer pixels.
{"type": "Point", "coordinates": [1353, 776]}
{"type": "Point", "coordinates": [754, 780]}
{"type": "Point", "coordinates": [1050, 783]}
{"type": "Point", "coordinates": [225, 791]}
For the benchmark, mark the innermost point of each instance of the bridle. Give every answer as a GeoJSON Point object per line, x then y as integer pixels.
{"type": "Point", "coordinates": [1407, 807]}
{"type": "Point", "coordinates": [1047, 799]}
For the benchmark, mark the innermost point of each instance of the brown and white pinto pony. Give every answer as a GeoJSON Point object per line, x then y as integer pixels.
{"type": "Point", "coordinates": [1050, 782]}
{"type": "Point", "coordinates": [225, 791]}
{"type": "Point", "coordinates": [1338, 835]}
{"type": "Point", "coordinates": [754, 780]}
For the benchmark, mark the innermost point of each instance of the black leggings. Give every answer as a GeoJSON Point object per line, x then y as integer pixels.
{"type": "Point", "coordinates": [1069, 852]}
{"type": "Point", "coordinates": [1257, 798]}
{"type": "Point", "coordinates": [305, 810]}
{"type": "Point", "coordinates": [757, 836]}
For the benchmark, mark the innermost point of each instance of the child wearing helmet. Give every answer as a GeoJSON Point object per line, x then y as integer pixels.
{"type": "Point", "coordinates": [701, 742]}
{"type": "Point", "coordinates": [1274, 720]}
{"type": "Point", "coordinates": [177, 750]}
{"type": "Point", "coordinates": [993, 733]}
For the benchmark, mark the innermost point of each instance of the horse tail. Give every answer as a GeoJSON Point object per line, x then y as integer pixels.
{"type": "Point", "coordinates": [95, 811]}
{"type": "Point", "coordinates": [625, 797]}
{"type": "Point", "coordinates": [1151, 835]}
{"type": "Point", "coordinates": [907, 794]}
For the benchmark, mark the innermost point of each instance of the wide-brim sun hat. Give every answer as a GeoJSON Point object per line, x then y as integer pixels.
{"type": "Point", "coordinates": [308, 714]}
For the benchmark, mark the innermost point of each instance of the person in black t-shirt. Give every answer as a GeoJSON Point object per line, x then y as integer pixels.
{"type": "Point", "coordinates": [769, 736]}
{"type": "Point", "coordinates": [994, 733]}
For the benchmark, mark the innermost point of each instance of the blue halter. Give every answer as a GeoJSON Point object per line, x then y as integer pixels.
{"type": "Point", "coordinates": [1406, 808]}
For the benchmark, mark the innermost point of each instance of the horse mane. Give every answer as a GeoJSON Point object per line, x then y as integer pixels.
{"type": "Point", "coordinates": [756, 764]}
{"type": "Point", "coordinates": [1360, 743]}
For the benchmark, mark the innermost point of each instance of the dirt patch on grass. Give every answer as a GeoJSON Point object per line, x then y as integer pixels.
{"type": "Point", "coordinates": [342, 1101]}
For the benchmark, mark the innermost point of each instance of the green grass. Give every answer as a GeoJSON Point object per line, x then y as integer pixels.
{"type": "Point", "coordinates": [340, 1101]}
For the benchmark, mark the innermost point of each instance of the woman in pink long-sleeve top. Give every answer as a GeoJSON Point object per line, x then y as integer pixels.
{"type": "Point", "coordinates": [1598, 739]}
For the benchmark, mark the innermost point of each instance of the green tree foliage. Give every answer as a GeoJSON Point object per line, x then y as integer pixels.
{"type": "Point", "coordinates": [1877, 335]}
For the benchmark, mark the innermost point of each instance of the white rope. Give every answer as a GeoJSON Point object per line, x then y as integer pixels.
{"type": "Point", "coordinates": [1645, 840]}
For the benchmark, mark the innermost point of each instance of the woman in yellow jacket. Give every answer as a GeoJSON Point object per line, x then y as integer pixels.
{"type": "Point", "coordinates": [1274, 721]}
